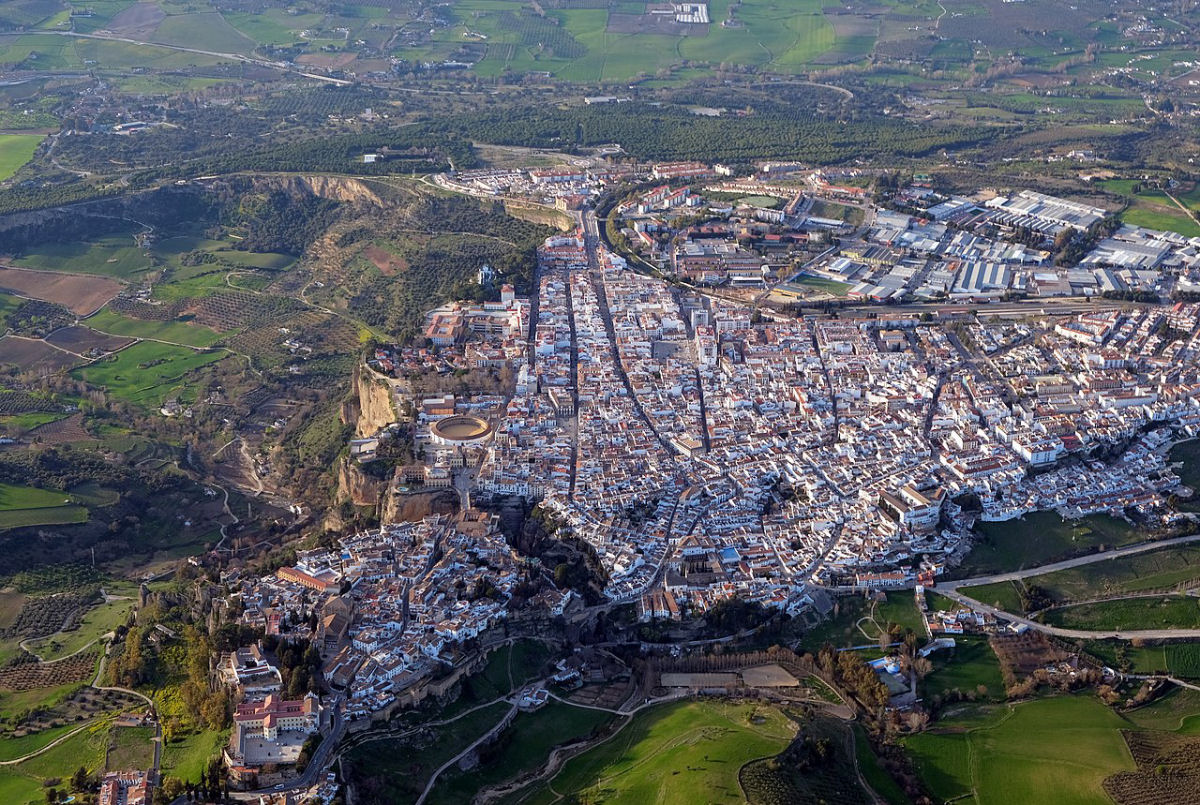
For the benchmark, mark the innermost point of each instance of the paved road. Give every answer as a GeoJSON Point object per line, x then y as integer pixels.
{"type": "Point", "coordinates": [274, 65]}
{"type": "Point", "coordinates": [1117, 634]}
{"type": "Point", "coordinates": [1067, 564]}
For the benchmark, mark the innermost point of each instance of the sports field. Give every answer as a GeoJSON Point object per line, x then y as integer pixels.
{"type": "Point", "coordinates": [681, 752]}
{"type": "Point", "coordinates": [15, 151]}
{"type": "Point", "coordinates": [1053, 751]}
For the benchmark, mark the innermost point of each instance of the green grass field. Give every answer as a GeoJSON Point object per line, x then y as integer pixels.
{"type": "Point", "coordinates": [969, 665]}
{"type": "Point", "coordinates": [205, 30]}
{"type": "Point", "coordinates": [12, 748]}
{"type": "Point", "coordinates": [526, 746]}
{"type": "Point", "coordinates": [1053, 751]}
{"type": "Point", "coordinates": [1158, 612]}
{"type": "Point", "coordinates": [15, 151]}
{"type": "Point", "coordinates": [111, 256]}
{"type": "Point", "coordinates": [23, 783]}
{"type": "Point", "coordinates": [1039, 538]}
{"type": "Point", "coordinates": [187, 758]}
{"type": "Point", "coordinates": [178, 332]}
{"type": "Point", "coordinates": [1003, 594]}
{"type": "Point", "coordinates": [680, 752]}
{"type": "Point", "coordinates": [146, 373]}
{"type": "Point", "coordinates": [28, 497]}
{"type": "Point", "coordinates": [130, 748]}
{"type": "Point", "coordinates": [1176, 711]}
{"type": "Point", "coordinates": [22, 506]}
{"type": "Point", "coordinates": [832, 287]}
{"type": "Point", "coordinates": [1153, 570]}
{"type": "Point", "coordinates": [1152, 208]}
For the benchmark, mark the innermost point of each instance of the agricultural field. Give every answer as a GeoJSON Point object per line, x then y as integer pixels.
{"type": "Point", "coordinates": [81, 294]}
{"type": "Point", "coordinates": [24, 505]}
{"type": "Point", "coordinates": [147, 373]}
{"type": "Point", "coordinates": [1151, 208]}
{"type": "Point", "coordinates": [38, 676]}
{"type": "Point", "coordinates": [85, 341]}
{"type": "Point", "coordinates": [176, 332]}
{"type": "Point", "coordinates": [1051, 751]}
{"type": "Point", "coordinates": [92, 626]}
{"type": "Point", "coordinates": [15, 151]}
{"type": "Point", "coordinates": [35, 355]}
{"type": "Point", "coordinates": [692, 749]}
{"type": "Point", "coordinates": [1159, 570]}
{"type": "Point", "coordinates": [1039, 538]}
{"type": "Point", "coordinates": [115, 256]}
{"type": "Point", "coordinates": [1156, 612]}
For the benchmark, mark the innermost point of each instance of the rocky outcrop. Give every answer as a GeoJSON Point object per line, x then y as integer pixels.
{"type": "Point", "coordinates": [358, 487]}
{"type": "Point", "coordinates": [412, 507]}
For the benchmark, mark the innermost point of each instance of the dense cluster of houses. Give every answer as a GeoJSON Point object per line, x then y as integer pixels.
{"type": "Point", "coordinates": [405, 599]}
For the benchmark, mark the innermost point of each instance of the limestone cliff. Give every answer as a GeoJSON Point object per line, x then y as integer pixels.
{"type": "Point", "coordinates": [374, 403]}
{"type": "Point", "coordinates": [354, 484]}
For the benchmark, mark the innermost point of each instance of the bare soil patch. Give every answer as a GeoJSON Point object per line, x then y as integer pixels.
{"type": "Point", "coordinates": [138, 21]}
{"type": "Point", "coordinates": [35, 355]}
{"type": "Point", "coordinates": [83, 340]}
{"type": "Point", "coordinates": [387, 263]}
{"type": "Point", "coordinates": [327, 61]}
{"type": "Point", "coordinates": [82, 294]}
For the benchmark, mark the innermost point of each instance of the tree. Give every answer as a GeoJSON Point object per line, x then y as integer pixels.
{"type": "Point", "coordinates": [79, 780]}
{"type": "Point", "coordinates": [169, 791]}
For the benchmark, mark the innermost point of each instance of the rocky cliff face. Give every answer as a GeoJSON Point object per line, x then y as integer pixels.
{"type": "Point", "coordinates": [336, 188]}
{"type": "Point", "coordinates": [374, 403]}
{"type": "Point", "coordinates": [355, 485]}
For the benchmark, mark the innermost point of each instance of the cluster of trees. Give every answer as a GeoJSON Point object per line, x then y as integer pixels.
{"type": "Point", "coordinates": [299, 665]}
{"type": "Point", "coordinates": [653, 132]}
{"type": "Point", "coordinates": [852, 672]}
{"type": "Point", "coordinates": [277, 221]}
{"type": "Point", "coordinates": [1071, 246]}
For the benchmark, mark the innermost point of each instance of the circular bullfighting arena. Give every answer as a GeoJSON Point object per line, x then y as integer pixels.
{"type": "Point", "coordinates": [460, 430]}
